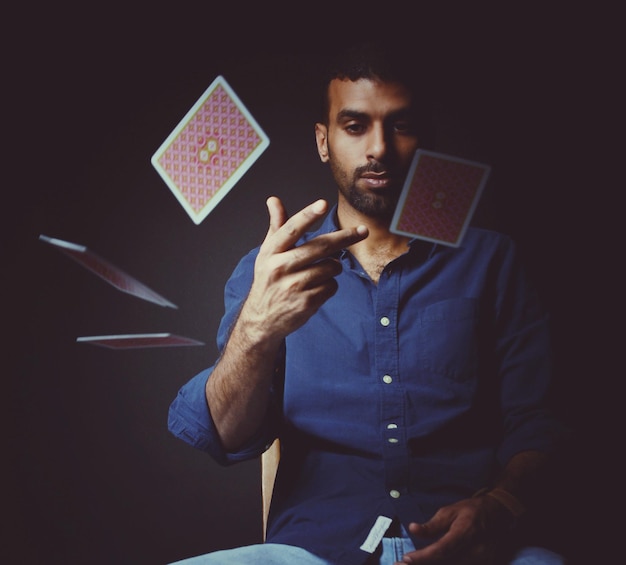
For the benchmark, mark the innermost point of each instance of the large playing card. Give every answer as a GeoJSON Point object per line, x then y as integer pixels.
{"type": "Point", "coordinates": [212, 147]}
{"type": "Point", "coordinates": [439, 197]}
{"type": "Point", "coordinates": [137, 341]}
{"type": "Point", "coordinates": [109, 272]}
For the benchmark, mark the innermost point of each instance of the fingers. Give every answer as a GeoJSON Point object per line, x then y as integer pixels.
{"type": "Point", "coordinates": [284, 233]}
{"type": "Point", "coordinates": [321, 272]}
{"type": "Point", "coordinates": [292, 229]}
{"type": "Point", "coordinates": [453, 541]}
{"type": "Point", "coordinates": [421, 530]}
{"type": "Point", "coordinates": [277, 212]}
{"type": "Point", "coordinates": [322, 246]}
{"type": "Point", "coordinates": [444, 550]}
{"type": "Point", "coordinates": [438, 549]}
{"type": "Point", "coordinates": [291, 282]}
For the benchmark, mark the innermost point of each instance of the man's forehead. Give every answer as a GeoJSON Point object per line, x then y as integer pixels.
{"type": "Point", "coordinates": [367, 95]}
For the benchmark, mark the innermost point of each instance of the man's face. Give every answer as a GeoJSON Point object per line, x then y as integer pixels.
{"type": "Point", "coordinates": [369, 143]}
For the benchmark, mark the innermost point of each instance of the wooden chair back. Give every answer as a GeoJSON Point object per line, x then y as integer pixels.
{"type": "Point", "coordinates": [269, 466]}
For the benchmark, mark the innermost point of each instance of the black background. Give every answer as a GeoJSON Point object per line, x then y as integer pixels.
{"type": "Point", "coordinates": [91, 91]}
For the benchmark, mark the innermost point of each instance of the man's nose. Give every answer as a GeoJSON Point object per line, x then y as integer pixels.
{"type": "Point", "coordinates": [377, 143]}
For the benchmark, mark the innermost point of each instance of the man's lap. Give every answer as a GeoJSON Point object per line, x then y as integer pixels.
{"type": "Point", "coordinates": [393, 549]}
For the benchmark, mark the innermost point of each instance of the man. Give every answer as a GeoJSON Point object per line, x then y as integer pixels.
{"type": "Point", "coordinates": [406, 380]}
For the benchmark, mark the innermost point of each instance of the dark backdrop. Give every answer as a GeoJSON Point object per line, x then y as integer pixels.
{"type": "Point", "coordinates": [91, 91]}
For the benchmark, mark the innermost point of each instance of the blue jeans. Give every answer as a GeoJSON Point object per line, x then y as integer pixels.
{"type": "Point", "coordinates": [393, 550]}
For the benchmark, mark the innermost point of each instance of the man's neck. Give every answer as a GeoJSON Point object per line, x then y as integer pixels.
{"type": "Point", "coordinates": [379, 248]}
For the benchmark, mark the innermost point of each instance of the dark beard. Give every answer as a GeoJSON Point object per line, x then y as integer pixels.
{"type": "Point", "coordinates": [379, 206]}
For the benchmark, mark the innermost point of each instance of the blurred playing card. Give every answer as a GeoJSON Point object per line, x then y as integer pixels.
{"type": "Point", "coordinates": [439, 197]}
{"type": "Point", "coordinates": [212, 147]}
{"type": "Point", "coordinates": [137, 341]}
{"type": "Point", "coordinates": [109, 272]}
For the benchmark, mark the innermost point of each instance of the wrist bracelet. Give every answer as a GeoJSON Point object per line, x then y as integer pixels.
{"type": "Point", "coordinates": [510, 502]}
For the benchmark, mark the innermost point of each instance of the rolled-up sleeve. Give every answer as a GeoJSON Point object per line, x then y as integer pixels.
{"type": "Point", "coordinates": [189, 417]}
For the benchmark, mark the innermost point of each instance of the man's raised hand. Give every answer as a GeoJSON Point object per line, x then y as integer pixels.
{"type": "Point", "coordinates": [291, 282]}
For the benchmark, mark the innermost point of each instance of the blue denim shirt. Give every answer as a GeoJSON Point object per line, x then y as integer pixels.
{"type": "Point", "coordinates": [397, 398]}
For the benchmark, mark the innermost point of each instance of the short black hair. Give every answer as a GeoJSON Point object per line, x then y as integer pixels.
{"type": "Point", "coordinates": [384, 61]}
{"type": "Point", "coordinates": [371, 59]}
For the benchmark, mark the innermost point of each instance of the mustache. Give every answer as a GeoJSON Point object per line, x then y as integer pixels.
{"type": "Point", "coordinates": [375, 167]}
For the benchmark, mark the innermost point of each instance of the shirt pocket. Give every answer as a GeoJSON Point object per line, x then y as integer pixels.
{"type": "Point", "coordinates": [448, 339]}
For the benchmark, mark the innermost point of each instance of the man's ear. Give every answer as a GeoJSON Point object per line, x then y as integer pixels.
{"type": "Point", "coordinates": [321, 138]}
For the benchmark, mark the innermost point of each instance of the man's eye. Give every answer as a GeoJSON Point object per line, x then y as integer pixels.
{"type": "Point", "coordinates": [403, 127]}
{"type": "Point", "coordinates": [354, 128]}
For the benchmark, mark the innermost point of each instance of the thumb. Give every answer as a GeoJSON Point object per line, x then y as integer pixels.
{"type": "Point", "coordinates": [278, 214]}
{"type": "Point", "coordinates": [428, 529]}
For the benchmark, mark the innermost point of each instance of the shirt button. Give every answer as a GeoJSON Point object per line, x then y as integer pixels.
{"type": "Point", "coordinates": [384, 321]}
{"type": "Point", "coordinates": [393, 440]}
{"type": "Point", "coordinates": [392, 426]}
{"type": "Point", "coordinates": [394, 494]}
{"type": "Point", "coordinates": [387, 379]}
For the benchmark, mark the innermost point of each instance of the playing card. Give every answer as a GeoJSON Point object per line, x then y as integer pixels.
{"type": "Point", "coordinates": [137, 341]}
{"type": "Point", "coordinates": [109, 272]}
{"type": "Point", "coordinates": [439, 197]}
{"type": "Point", "coordinates": [212, 147]}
